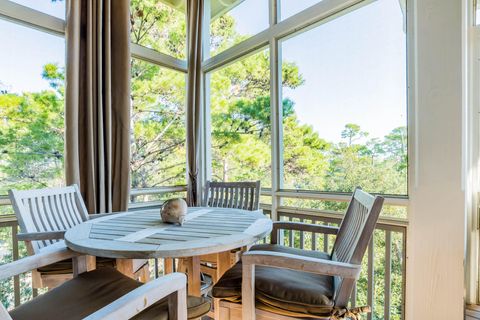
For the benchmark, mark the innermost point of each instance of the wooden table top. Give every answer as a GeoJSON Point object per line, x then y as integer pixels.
{"type": "Point", "coordinates": [142, 234]}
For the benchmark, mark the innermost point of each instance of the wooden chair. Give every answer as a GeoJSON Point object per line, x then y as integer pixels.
{"type": "Point", "coordinates": [44, 215]}
{"type": "Point", "coordinates": [278, 282]}
{"type": "Point", "coordinates": [102, 294]}
{"type": "Point", "coordinates": [238, 195]}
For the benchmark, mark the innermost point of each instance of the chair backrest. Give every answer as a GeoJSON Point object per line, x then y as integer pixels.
{"type": "Point", "coordinates": [50, 209]}
{"type": "Point", "coordinates": [238, 195]}
{"type": "Point", "coordinates": [353, 238]}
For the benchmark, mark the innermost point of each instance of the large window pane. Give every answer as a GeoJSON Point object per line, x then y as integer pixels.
{"type": "Point", "coordinates": [31, 108]}
{"type": "Point", "coordinates": [348, 124]}
{"type": "Point", "coordinates": [234, 21]}
{"type": "Point", "coordinates": [240, 115]}
{"type": "Point", "coordinates": [158, 119]}
{"type": "Point", "coordinates": [54, 8]}
{"type": "Point", "coordinates": [160, 25]}
{"type": "Point", "coordinates": [290, 7]}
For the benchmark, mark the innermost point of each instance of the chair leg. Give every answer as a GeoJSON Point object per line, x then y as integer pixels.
{"type": "Point", "coordinates": [216, 309]}
{"type": "Point", "coordinates": [248, 291]}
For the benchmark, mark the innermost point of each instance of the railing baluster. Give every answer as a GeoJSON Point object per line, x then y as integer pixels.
{"type": "Point", "coordinates": [16, 279]}
{"type": "Point", "coordinates": [156, 267]}
{"type": "Point", "coordinates": [290, 235]}
{"type": "Point", "coordinates": [314, 237]}
{"type": "Point", "coordinates": [371, 282]}
{"type": "Point", "coordinates": [325, 242]}
{"type": "Point", "coordinates": [388, 271]}
{"type": "Point", "coordinates": [301, 236]}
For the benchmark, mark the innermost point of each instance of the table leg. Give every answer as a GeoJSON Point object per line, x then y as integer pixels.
{"type": "Point", "coordinates": [125, 266]}
{"type": "Point", "coordinates": [223, 263]}
{"type": "Point", "coordinates": [80, 265]}
{"type": "Point", "coordinates": [91, 263]}
{"type": "Point", "coordinates": [168, 265]}
{"type": "Point", "coordinates": [192, 266]}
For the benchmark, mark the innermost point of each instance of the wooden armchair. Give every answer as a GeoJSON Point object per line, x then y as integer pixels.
{"type": "Point", "coordinates": [102, 294]}
{"type": "Point", "coordinates": [44, 215]}
{"type": "Point", "coordinates": [278, 282]}
{"type": "Point", "coordinates": [238, 195]}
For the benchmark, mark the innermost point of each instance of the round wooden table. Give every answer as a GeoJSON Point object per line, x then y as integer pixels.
{"type": "Point", "coordinates": [142, 235]}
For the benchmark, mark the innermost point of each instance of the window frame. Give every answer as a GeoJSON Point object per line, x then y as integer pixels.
{"type": "Point", "coordinates": [280, 30]}
{"type": "Point", "coordinates": [31, 18]}
{"type": "Point", "coordinates": [271, 37]}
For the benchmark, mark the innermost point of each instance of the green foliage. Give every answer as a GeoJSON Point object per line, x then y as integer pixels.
{"type": "Point", "coordinates": [31, 136]}
{"type": "Point", "coordinates": [158, 153]}
{"type": "Point", "coordinates": [159, 27]}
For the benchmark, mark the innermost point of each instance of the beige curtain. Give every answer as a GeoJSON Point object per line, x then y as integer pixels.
{"type": "Point", "coordinates": [97, 116]}
{"type": "Point", "coordinates": [194, 97]}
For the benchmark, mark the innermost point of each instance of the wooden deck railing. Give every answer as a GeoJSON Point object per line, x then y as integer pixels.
{"type": "Point", "coordinates": [382, 282]}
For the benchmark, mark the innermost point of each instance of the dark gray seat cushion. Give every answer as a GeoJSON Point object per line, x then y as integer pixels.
{"type": "Point", "coordinates": [292, 291]}
{"type": "Point", "coordinates": [89, 292]}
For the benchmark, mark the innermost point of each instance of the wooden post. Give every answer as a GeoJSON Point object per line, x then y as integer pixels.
{"type": "Point", "coordinates": [192, 266]}
{"type": "Point", "coordinates": [79, 265]}
{"type": "Point", "coordinates": [125, 266]}
{"type": "Point", "coordinates": [248, 292]}
{"type": "Point", "coordinates": [91, 263]}
{"type": "Point", "coordinates": [223, 263]}
{"type": "Point", "coordinates": [167, 266]}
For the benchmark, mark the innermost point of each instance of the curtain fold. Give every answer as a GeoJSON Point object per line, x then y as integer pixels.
{"type": "Point", "coordinates": [194, 98]}
{"type": "Point", "coordinates": [97, 102]}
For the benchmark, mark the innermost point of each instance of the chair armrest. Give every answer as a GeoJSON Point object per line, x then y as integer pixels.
{"type": "Point", "coordinates": [301, 226]}
{"type": "Point", "coordinates": [51, 254]}
{"type": "Point", "coordinates": [47, 235]}
{"type": "Point", "coordinates": [301, 263]}
{"type": "Point", "coordinates": [173, 285]}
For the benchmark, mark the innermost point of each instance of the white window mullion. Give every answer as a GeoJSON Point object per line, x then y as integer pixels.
{"type": "Point", "coordinates": [158, 58]}
{"type": "Point", "coordinates": [276, 111]}
{"type": "Point", "coordinates": [206, 140]}
{"type": "Point", "coordinates": [28, 17]}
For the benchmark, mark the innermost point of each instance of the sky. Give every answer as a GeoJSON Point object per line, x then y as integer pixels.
{"type": "Point", "coordinates": [354, 66]}
{"type": "Point", "coordinates": [25, 51]}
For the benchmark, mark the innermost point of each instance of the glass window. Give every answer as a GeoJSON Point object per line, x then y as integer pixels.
{"type": "Point", "coordinates": [54, 8]}
{"type": "Point", "coordinates": [31, 108]}
{"type": "Point", "coordinates": [477, 12]}
{"type": "Point", "coordinates": [290, 7]}
{"type": "Point", "coordinates": [347, 123]}
{"type": "Point", "coordinates": [160, 25]}
{"type": "Point", "coordinates": [234, 21]}
{"type": "Point", "coordinates": [240, 116]}
{"type": "Point", "coordinates": [158, 153]}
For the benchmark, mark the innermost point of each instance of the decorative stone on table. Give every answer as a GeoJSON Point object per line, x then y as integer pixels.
{"type": "Point", "coordinates": [174, 211]}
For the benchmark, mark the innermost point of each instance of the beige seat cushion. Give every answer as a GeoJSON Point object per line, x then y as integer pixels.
{"type": "Point", "coordinates": [294, 292]}
{"type": "Point", "coordinates": [89, 292]}
{"type": "Point", "coordinates": [65, 266]}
